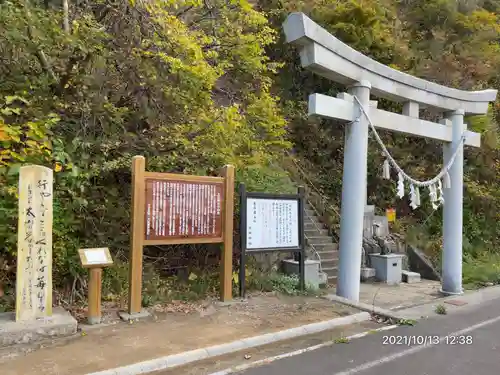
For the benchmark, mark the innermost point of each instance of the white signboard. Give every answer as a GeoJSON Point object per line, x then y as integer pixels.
{"type": "Point", "coordinates": [96, 256]}
{"type": "Point", "coordinates": [272, 223]}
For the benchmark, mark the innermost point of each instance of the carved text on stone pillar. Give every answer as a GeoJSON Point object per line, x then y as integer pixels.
{"type": "Point", "coordinates": [34, 258]}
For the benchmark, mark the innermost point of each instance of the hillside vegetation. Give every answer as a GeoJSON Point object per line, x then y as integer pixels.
{"type": "Point", "coordinates": [193, 85]}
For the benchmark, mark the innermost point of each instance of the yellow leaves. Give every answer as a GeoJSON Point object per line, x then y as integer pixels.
{"type": "Point", "coordinates": [9, 99]}
{"type": "Point", "coordinates": [3, 135]}
{"type": "Point", "coordinates": [394, 66]}
{"type": "Point", "coordinates": [236, 275]}
{"type": "Point", "coordinates": [21, 141]}
{"type": "Point", "coordinates": [12, 191]}
{"type": "Point", "coordinates": [479, 20]}
{"type": "Point", "coordinates": [58, 167]}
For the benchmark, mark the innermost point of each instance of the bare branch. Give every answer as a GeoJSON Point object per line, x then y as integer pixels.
{"type": "Point", "coordinates": [184, 11]}
{"type": "Point", "coordinates": [42, 58]}
{"type": "Point", "coordinates": [66, 15]}
{"type": "Point", "coordinates": [45, 63]}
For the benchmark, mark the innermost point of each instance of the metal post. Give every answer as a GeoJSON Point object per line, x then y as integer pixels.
{"type": "Point", "coordinates": [243, 237]}
{"type": "Point", "coordinates": [452, 210]}
{"type": "Point", "coordinates": [302, 256]}
{"type": "Point", "coordinates": [353, 196]}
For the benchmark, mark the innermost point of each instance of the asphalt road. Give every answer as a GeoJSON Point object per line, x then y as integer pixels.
{"type": "Point", "coordinates": [469, 343]}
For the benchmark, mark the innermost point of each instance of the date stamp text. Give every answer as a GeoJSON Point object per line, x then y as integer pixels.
{"type": "Point", "coordinates": [412, 340]}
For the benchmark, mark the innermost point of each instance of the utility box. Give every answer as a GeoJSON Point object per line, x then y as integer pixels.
{"type": "Point", "coordinates": [311, 273]}
{"type": "Point", "coordinates": [387, 267]}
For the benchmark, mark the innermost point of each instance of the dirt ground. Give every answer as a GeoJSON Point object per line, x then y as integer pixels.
{"type": "Point", "coordinates": [172, 329]}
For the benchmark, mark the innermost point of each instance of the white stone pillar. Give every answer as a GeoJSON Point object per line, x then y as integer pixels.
{"type": "Point", "coordinates": [353, 196]}
{"type": "Point", "coordinates": [34, 244]}
{"type": "Point", "coordinates": [453, 210]}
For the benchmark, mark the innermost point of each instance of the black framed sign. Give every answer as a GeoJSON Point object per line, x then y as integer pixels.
{"type": "Point", "coordinates": [271, 222]}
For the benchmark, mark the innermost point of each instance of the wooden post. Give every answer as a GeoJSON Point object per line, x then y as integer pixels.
{"type": "Point", "coordinates": [137, 235]}
{"type": "Point", "coordinates": [226, 271]}
{"type": "Point", "coordinates": [95, 285]}
{"type": "Point", "coordinates": [95, 259]}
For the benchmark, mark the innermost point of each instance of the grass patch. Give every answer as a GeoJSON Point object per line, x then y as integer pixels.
{"type": "Point", "coordinates": [341, 340]}
{"type": "Point", "coordinates": [278, 282]}
{"type": "Point", "coordinates": [407, 322]}
{"type": "Point", "coordinates": [482, 270]}
{"type": "Point", "coordinates": [440, 310]}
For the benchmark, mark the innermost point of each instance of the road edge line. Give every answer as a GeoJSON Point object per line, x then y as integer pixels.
{"type": "Point", "coordinates": [244, 367]}
{"type": "Point", "coordinates": [180, 359]}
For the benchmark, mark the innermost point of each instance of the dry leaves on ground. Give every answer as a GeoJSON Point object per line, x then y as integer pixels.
{"type": "Point", "coordinates": [178, 307]}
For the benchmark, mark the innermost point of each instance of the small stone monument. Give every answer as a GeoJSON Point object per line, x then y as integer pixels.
{"type": "Point", "coordinates": [34, 244]}
{"type": "Point", "coordinates": [34, 319]}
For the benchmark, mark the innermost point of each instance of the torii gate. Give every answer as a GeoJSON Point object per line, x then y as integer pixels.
{"type": "Point", "coordinates": [327, 56]}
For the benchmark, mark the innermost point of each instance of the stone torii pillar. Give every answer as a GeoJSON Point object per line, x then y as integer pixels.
{"type": "Point", "coordinates": [327, 56]}
{"type": "Point", "coordinates": [453, 212]}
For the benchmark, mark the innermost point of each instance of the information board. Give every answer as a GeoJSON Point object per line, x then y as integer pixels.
{"type": "Point", "coordinates": [95, 257]}
{"type": "Point", "coordinates": [181, 209]}
{"type": "Point", "coordinates": [272, 223]}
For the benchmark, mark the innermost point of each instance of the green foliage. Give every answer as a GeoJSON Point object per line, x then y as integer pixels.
{"type": "Point", "coordinates": [186, 84]}
{"type": "Point", "coordinates": [341, 340]}
{"type": "Point", "coordinates": [407, 322]}
{"type": "Point", "coordinates": [440, 310]}
{"type": "Point", "coordinates": [277, 282]}
{"type": "Point", "coordinates": [482, 270]}
{"type": "Point", "coordinates": [271, 179]}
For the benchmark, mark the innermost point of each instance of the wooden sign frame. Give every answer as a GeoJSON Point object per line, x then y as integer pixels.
{"type": "Point", "coordinates": [224, 234]}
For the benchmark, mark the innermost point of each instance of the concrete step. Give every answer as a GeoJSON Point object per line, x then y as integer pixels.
{"type": "Point", "coordinates": [309, 212]}
{"type": "Point", "coordinates": [312, 219]}
{"type": "Point", "coordinates": [328, 253]}
{"type": "Point", "coordinates": [329, 262]}
{"type": "Point", "coordinates": [319, 239]}
{"type": "Point", "coordinates": [330, 271]}
{"type": "Point", "coordinates": [315, 232]}
{"type": "Point", "coordinates": [332, 280]}
{"type": "Point", "coordinates": [326, 247]}
{"type": "Point", "coordinates": [311, 225]}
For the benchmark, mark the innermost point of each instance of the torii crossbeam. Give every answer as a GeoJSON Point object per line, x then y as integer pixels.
{"type": "Point", "coordinates": [327, 56]}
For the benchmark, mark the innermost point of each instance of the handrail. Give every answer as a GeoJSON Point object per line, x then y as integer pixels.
{"type": "Point", "coordinates": [311, 184]}
{"type": "Point", "coordinates": [304, 174]}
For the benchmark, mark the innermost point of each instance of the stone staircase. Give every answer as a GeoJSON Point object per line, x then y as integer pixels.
{"type": "Point", "coordinates": [319, 241]}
